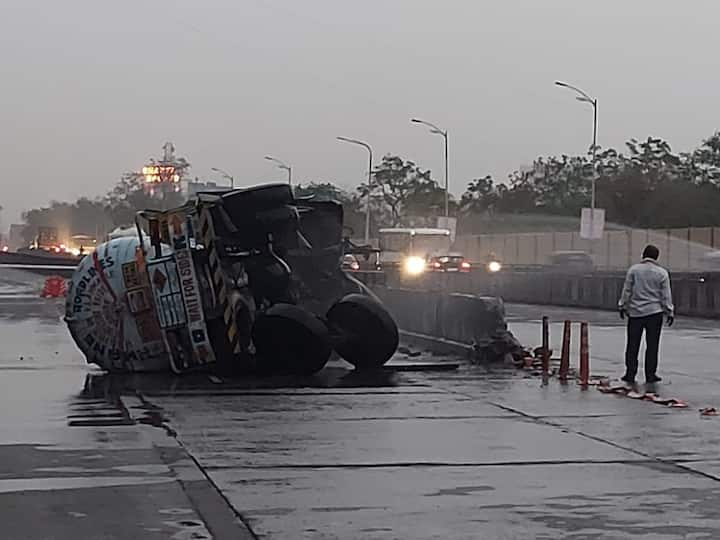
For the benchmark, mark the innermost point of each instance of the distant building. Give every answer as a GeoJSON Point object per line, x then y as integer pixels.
{"type": "Point", "coordinates": [16, 237]}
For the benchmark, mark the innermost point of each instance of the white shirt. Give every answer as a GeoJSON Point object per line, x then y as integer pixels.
{"type": "Point", "coordinates": [647, 290]}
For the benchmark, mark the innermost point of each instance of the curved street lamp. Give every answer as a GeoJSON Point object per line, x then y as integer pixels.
{"type": "Point", "coordinates": [370, 167]}
{"type": "Point", "coordinates": [437, 131]}
{"type": "Point", "coordinates": [224, 175]}
{"type": "Point", "coordinates": [585, 98]}
{"type": "Point", "coordinates": [281, 165]}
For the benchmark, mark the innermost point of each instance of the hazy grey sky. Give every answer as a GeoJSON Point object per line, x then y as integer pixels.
{"type": "Point", "coordinates": [92, 88]}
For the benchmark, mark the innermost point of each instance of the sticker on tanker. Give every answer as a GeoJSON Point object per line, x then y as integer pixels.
{"type": "Point", "coordinates": [165, 285]}
{"type": "Point", "coordinates": [100, 319]}
{"type": "Point", "coordinates": [195, 318]}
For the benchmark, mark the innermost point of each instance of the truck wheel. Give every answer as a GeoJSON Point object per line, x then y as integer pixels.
{"type": "Point", "coordinates": [289, 339]}
{"type": "Point", "coordinates": [367, 335]}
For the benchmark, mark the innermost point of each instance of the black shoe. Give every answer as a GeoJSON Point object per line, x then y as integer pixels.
{"type": "Point", "coordinates": [628, 379]}
{"type": "Point", "coordinates": [652, 379]}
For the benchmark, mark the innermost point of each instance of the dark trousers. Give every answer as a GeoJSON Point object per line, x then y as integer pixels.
{"type": "Point", "coordinates": [652, 326]}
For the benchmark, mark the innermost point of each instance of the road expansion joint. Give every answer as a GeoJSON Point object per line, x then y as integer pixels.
{"type": "Point", "coordinates": [649, 458]}
{"type": "Point", "coordinates": [211, 504]}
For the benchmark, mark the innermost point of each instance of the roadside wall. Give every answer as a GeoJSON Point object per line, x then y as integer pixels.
{"type": "Point", "coordinates": [694, 294]}
{"type": "Point", "coordinates": [680, 249]}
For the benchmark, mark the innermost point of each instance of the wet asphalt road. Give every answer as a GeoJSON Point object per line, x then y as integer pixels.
{"type": "Point", "coordinates": [478, 452]}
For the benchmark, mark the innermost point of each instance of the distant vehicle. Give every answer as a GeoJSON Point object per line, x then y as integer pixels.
{"type": "Point", "coordinates": [47, 239]}
{"type": "Point", "coordinates": [369, 260]}
{"type": "Point", "coordinates": [81, 244]}
{"type": "Point", "coordinates": [47, 243]}
{"type": "Point", "coordinates": [571, 261]}
{"type": "Point", "coordinates": [366, 256]}
{"type": "Point", "coordinates": [411, 249]}
{"type": "Point", "coordinates": [452, 262]}
{"type": "Point", "coordinates": [350, 263]}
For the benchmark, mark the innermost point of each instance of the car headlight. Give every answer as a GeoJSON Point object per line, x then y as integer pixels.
{"type": "Point", "coordinates": [494, 266]}
{"type": "Point", "coordinates": [414, 265]}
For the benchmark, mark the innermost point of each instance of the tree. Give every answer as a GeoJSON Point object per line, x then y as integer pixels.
{"type": "Point", "coordinates": [705, 160]}
{"type": "Point", "coordinates": [560, 185]}
{"type": "Point", "coordinates": [402, 193]}
{"type": "Point", "coordinates": [84, 216]}
{"type": "Point", "coordinates": [130, 195]}
{"type": "Point", "coordinates": [480, 197]}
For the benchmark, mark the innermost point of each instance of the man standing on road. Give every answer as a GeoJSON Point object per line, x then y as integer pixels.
{"type": "Point", "coordinates": [646, 297]}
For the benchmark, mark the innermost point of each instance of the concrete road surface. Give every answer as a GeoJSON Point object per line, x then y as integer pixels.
{"type": "Point", "coordinates": [486, 453]}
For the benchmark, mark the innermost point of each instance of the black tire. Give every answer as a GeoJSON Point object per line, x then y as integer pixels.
{"type": "Point", "coordinates": [289, 339]}
{"type": "Point", "coordinates": [367, 334]}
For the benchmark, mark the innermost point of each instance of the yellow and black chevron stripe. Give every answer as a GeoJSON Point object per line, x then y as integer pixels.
{"type": "Point", "coordinates": [219, 279]}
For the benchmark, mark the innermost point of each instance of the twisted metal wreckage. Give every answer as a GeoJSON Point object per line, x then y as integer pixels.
{"type": "Point", "coordinates": [245, 279]}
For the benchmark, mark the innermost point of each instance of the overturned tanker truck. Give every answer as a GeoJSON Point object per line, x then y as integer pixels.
{"type": "Point", "coordinates": [247, 280]}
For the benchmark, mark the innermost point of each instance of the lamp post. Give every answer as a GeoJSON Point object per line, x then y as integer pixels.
{"type": "Point", "coordinates": [224, 175]}
{"type": "Point", "coordinates": [437, 131]}
{"type": "Point", "coordinates": [370, 166]}
{"type": "Point", "coordinates": [281, 165]}
{"type": "Point", "coordinates": [585, 98]}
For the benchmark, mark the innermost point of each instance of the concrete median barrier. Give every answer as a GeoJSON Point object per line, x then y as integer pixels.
{"type": "Point", "coordinates": [468, 318]}
{"type": "Point", "coordinates": [413, 310]}
{"type": "Point", "coordinates": [474, 322]}
{"type": "Point", "coordinates": [694, 294]}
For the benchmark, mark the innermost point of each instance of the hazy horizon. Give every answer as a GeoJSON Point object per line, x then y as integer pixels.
{"type": "Point", "coordinates": [93, 90]}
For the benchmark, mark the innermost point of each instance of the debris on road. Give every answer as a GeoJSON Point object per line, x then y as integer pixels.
{"type": "Point", "coordinates": [678, 404]}
{"type": "Point", "coordinates": [626, 390]}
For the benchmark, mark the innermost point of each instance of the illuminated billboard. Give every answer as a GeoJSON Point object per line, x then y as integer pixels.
{"type": "Point", "coordinates": [160, 174]}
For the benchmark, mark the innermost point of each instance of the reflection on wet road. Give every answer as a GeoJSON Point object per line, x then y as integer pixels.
{"type": "Point", "coordinates": [475, 452]}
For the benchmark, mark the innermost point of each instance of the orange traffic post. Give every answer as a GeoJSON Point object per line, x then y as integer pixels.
{"type": "Point", "coordinates": [545, 346]}
{"type": "Point", "coordinates": [565, 354]}
{"type": "Point", "coordinates": [584, 355]}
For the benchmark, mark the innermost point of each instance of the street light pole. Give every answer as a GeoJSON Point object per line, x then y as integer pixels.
{"type": "Point", "coordinates": [437, 131]}
{"type": "Point", "coordinates": [225, 175]}
{"type": "Point", "coordinates": [594, 152]}
{"type": "Point", "coordinates": [585, 98]}
{"type": "Point", "coordinates": [370, 168]}
{"type": "Point", "coordinates": [281, 165]}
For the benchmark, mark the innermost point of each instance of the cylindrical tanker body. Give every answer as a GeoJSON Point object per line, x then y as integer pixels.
{"type": "Point", "coordinates": [110, 312]}
{"type": "Point", "coordinates": [211, 286]}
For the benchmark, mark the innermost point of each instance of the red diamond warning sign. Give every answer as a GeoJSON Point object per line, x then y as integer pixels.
{"type": "Point", "coordinates": [159, 279]}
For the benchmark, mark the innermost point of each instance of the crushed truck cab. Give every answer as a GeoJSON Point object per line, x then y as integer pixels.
{"type": "Point", "coordinates": [245, 280]}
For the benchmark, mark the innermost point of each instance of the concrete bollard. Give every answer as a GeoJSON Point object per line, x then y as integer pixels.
{"type": "Point", "coordinates": [565, 354]}
{"type": "Point", "coordinates": [584, 355]}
